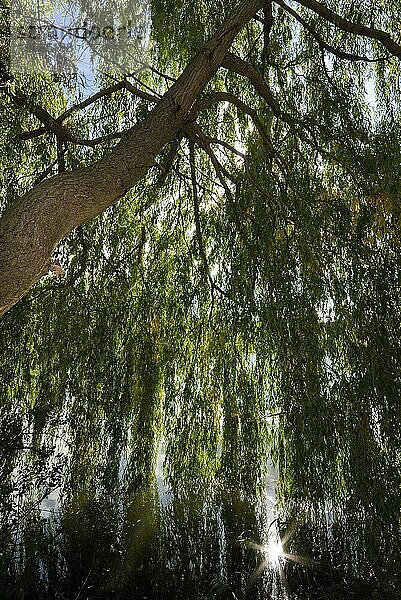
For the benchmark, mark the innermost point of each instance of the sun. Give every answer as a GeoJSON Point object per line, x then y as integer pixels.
{"type": "Point", "coordinates": [273, 550]}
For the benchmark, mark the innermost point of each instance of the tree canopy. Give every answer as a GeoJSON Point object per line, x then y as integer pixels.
{"type": "Point", "coordinates": [208, 252]}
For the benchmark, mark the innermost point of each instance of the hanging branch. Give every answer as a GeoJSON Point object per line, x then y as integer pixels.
{"type": "Point", "coordinates": [196, 210]}
{"type": "Point", "coordinates": [251, 112]}
{"type": "Point", "coordinates": [194, 133]}
{"type": "Point", "coordinates": [168, 163]}
{"type": "Point", "coordinates": [322, 43]}
{"type": "Point", "coordinates": [213, 286]}
{"type": "Point", "coordinates": [356, 28]}
{"type": "Point", "coordinates": [267, 27]}
{"type": "Point", "coordinates": [243, 68]}
{"type": "Point", "coordinates": [61, 149]}
{"type": "Point", "coordinates": [236, 64]}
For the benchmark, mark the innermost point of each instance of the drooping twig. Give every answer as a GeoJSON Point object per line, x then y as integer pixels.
{"type": "Point", "coordinates": [194, 133]}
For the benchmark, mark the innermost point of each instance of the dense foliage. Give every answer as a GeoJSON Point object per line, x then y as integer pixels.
{"type": "Point", "coordinates": [241, 303]}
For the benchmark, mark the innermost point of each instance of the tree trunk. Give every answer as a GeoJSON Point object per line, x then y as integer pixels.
{"type": "Point", "coordinates": [37, 221]}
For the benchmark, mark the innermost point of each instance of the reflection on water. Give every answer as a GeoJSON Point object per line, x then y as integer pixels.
{"type": "Point", "coordinates": [273, 549]}
{"type": "Point", "coordinates": [207, 541]}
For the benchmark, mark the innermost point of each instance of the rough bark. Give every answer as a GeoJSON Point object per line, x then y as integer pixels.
{"type": "Point", "coordinates": [36, 222]}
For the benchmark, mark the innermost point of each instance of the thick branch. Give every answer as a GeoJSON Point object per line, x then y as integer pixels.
{"type": "Point", "coordinates": [36, 222]}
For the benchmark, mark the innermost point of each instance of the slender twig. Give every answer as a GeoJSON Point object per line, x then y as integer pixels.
{"type": "Point", "coordinates": [228, 146]}
{"type": "Point", "coordinates": [194, 133]}
{"type": "Point", "coordinates": [194, 130]}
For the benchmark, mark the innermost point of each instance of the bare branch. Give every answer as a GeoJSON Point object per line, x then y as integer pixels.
{"type": "Point", "coordinates": [194, 133]}
{"type": "Point", "coordinates": [19, 98]}
{"type": "Point", "coordinates": [140, 93]}
{"type": "Point", "coordinates": [30, 135]}
{"type": "Point", "coordinates": [157, 72]}
{"type": "Point", "coordinates": [52, 125]}
{"type": "Point", "coordinates": [243, 68]}
{"type": "Point", "coordinates": [91, 143]}
{"type": "Point", "coordinates": [60, 155]}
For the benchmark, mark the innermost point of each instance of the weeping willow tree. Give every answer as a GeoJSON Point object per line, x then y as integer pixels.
{"type": "Point", "coordinates": [208, 254]}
